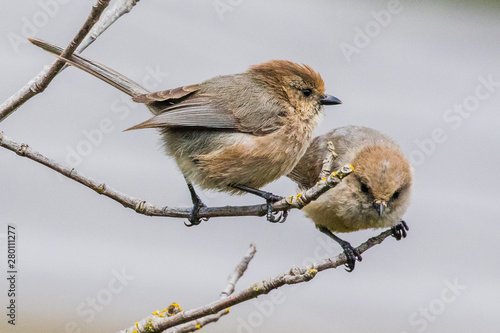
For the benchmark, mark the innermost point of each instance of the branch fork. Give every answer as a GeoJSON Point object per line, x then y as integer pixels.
{"type": "Point", "coordinates": [214, 310]}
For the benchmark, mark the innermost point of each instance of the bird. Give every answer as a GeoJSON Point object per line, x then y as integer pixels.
{"type": "Point", "coordinates": [232, 133]}
{"type": "Point", "coordinates": [377, 194]}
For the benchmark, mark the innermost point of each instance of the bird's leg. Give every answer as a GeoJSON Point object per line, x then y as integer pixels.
{"type": "Point", "coordinates": [194, 217]}
{"type": "Point", "coordinates": [351, 253]}
{"type": "Point", "coordinates": [399, 230]}
{"type": "Point", "coordinates": [270, 199]}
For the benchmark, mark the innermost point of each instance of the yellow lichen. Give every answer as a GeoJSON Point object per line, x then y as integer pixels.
{"type": "Point", "coordinates": [172, 309]}
{"type": "Point", "coordinates": [311, 273]}
{"type": "Point", "coordinates": [148, 328]}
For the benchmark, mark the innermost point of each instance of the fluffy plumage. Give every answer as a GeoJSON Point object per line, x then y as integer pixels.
{"type": "Point", "coordinates": [242, 129]}
{"type": "Point", "coordinates": [375, 196]}
{"type": "Point", "coordinates": [247, 129]}
{"type": "Point", "coordinates": [382, 176]}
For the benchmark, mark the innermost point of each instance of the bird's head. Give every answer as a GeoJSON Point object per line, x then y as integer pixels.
{"type": "Point", "coordinates": [298, 87]}
{"type": "Point", "coordinates": [381, 182]}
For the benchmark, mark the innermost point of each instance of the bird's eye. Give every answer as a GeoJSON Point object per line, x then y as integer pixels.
{"type": "Point", "coordinates": [364, 188]}
{"type": "Point", "coordinates": [396, 194]}
{"type": "Point", "coordinates": [307, 92]}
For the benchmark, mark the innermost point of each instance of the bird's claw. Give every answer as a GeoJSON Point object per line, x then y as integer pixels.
{"type": "Point", "coordinates": [352, 255]}
{"type": "Point", "coordinates": [274, 216]}
{"type": "Point", "coordinates": [194, 216]}
{"type": "Point", "coordinates": [400, 230]}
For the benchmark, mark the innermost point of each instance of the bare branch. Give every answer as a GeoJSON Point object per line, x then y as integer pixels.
{"type": "Point", "coordinates": [110, 16]}
{"type": "Point", "coordinates": [293, 276]}
{"type": "Point", "coordinates": [43, 79]}
{"type": "Point", "coordinates": [302, 199]}
{"type": "Point", "coordinates": [233, 278]}
{"type": "Point", "coordinates": [328, 161]}
{"type": "Point", "coordinates": [145, 208]}
{"type": "Point", "coordinates": [231, 283]}
{"type": "Point", "coordinates": [197, 324]}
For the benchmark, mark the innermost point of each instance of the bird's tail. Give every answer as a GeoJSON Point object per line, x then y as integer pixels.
{"type": "Point", "coordinates": [100, 71]}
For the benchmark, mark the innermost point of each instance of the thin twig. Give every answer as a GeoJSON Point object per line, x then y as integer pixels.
{"type": "Point", "coordinates": [293, 276]}
{"type": "Point", "coordinates": [146, 208]}
{"type": "Point", "coordinates": [238, 272]}
{"type": "Point", "coordinates": [110, 16]}
{"type": "Point", "coordinates": [43, 79]}
{"type": "Point", "coordinates": [328, 161]}
{"type": "Point", "coordinates": [302, 199]}
{"type": "Point", "coordinates": [231, 283]}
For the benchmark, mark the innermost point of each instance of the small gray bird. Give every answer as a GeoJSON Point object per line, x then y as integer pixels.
{"type": "Point", "coordinates": [232, 133]}
{"type": "Point", "coordinates": [375, 196]}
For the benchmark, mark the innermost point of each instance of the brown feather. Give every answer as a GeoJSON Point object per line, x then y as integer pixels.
{"type": "Point", "coordinates": [379, 167]}
{"type": "Point", "coordinates": [275, 71]}
{"type": "Point", "coordinates": [166, 95]}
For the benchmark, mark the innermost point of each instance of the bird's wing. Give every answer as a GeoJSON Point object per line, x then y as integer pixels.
{"type": "Point", "coordinates": [196, 111]}
{"type": "Point", "coordinates": [260, 116]}
{"type": "Point", "coordinates": [306, 172]}
{"type": "Point", "coordinates": [226, 102]}
{"type": "Point", "coordinates": [255, 109]}
{"type": "Point", "coordinates": [167, 95]}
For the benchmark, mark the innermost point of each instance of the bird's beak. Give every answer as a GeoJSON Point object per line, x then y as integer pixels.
{"type": "Point", "coordinates": [329, 100]}
{"type": "Point", "coordinates": [379, 207]}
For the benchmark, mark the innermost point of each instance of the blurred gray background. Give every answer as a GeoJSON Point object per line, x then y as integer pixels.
{"type": "Point", "coordinates": [417, 74]}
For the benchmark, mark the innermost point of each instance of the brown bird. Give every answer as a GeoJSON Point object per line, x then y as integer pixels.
{"type": "Point", "coordinates": [232, 133]}
{"type": "Point", "coordinates": [375, 196]}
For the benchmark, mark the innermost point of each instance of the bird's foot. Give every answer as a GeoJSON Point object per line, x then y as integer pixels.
{"type": "Point", "coordinates": [272, 215]}
{"type": "Point", "coordinates": [400, 230]}
{"type": "Point", "coordinates": [194, 215]}
{"type": "Point", "coordinates": [352, 254]}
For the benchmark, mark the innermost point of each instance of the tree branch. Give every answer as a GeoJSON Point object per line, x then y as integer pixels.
{"type": "Point", "coordinates": [231, 283]}
{"type": "Point", "coordinates": [293, 276]}
{"type": "Point", "coordinates": [110, 16]}
{"type": "Point", "coordinates": [328, 161]}
{"type": "Point", "coordinates": [43, 79]}
{"type": "Point", "coordinates": [238, 272]}
{"type": "Point", "coordinates": [146, 208]}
